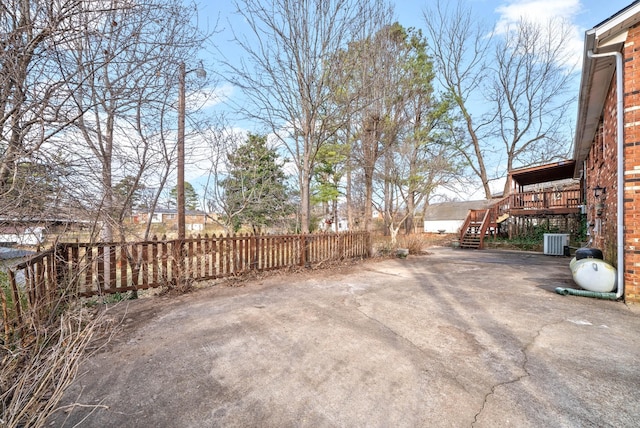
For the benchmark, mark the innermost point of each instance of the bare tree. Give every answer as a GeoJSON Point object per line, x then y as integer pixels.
{"type": "Point", "coordinates": [124, 106]}
{"type": "Point", "coordinates": [530, 85]}
{"type": "Point", "coordinates": [519, 76]}
{"type": "Point", "coordinates": [35, 36]}
{"type": "Point", "coordinates": [459, 50]}
{"type": "Point", "coordinates": [220, 141]}
{"type": "Point", "coordinates": [291, 54]}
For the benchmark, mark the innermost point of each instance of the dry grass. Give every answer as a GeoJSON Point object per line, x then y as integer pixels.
{"type": "Point", "coordinates": [416, 243]}
{"type": "Point", "coordinates": [35, 373]}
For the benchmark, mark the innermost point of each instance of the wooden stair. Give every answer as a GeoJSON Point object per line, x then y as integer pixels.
{"type": "Point", "coordinates": [472, 237]}
{"type": "Point", "coordinates": [480, 223]}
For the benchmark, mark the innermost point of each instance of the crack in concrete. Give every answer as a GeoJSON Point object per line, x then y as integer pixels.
{"type": "Point", "coordinates": [412, 344]}
{"type": "Point", "coordinates": [523, 367]}
{"type": "Point", "coordinates": [387, 328]}
{"type": "Point", "coordinates": [383, 272]}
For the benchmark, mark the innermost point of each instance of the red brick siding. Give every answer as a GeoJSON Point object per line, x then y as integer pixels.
{"type": "Point", "coordinates": [601, 169]}
{"type": "Point", "coordinates": [632, 165]}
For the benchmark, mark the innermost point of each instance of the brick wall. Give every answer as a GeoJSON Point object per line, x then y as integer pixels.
{"type": "Point", "coordinates": [601, 170]}
{"type": "Point", "coordinates": [632, 165]}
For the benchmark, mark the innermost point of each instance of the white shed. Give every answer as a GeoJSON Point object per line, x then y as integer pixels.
{"type": "Point", "coordinates": [448, 217]}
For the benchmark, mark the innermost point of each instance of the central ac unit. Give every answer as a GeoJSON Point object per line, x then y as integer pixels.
{"type": "Point", "coordinates": [554, 243]}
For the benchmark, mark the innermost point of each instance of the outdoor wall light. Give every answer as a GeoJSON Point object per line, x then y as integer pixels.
{"type": "Point", "coordinates": [599, 191]}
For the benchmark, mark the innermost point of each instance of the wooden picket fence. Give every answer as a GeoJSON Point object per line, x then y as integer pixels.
{"type": "Point", "coordinates": [88, 269]}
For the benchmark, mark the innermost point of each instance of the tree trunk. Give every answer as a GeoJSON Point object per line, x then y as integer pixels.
{"type": "Point", "coordinates": [482, 169]}
{"type": "Point", "coordinates": [368, 199]}
{"type": "Point", "coordinates": [393, 231]}
{"type": "Point", "coordinates": [388, 195]}
{"type": "Point", "coordinates": [411, 206]}
{"type": "Point", "coordinates": [370, 155]}
{"type": "Point", "coordinates": [305, 202]}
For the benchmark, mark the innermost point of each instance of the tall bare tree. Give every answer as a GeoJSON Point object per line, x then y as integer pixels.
{"type": "Point", "coordinates": [459, 50]}
{"type": "Point", "coordinates": [530, 84]}
{"type": "Point", "coordinates": [510, 86]}
{"type": "Point", "coordinates": [129, 62]}
{"type": "Point", "coordinates": [291, 52]}
{"type": "Point", "coordinates": [35, 35]}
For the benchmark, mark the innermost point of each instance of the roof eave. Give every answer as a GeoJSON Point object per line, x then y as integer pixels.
{"type": "Point", "coordinates": [595, 82]}
{"type": "Point", "coordinates": [597, 74]}
{"type": "Point", "coordinates": [585, 83]}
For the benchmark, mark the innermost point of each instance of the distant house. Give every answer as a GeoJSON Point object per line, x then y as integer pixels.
{"type": "Point", "coordinates": [606, 146]}
{"type": "Point", "coordinates": [448, 217]}
{"type": "Point", "coordinates": [195, 221]}
{"type": "Point", "coordinates": [12, 256]}
{"type": "Point", "coordinates": [21, 235]}
{"type": "Point", "coordinates": [328, 225]}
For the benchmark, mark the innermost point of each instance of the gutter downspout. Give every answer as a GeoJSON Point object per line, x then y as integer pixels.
{"type": "Point", "coordinates": [620, 183]}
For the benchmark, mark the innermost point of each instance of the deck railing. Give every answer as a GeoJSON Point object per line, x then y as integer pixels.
{"type": "Point", "coordinates": [545, 199]}
{"type": "Point", "coordinates": [484, 219]}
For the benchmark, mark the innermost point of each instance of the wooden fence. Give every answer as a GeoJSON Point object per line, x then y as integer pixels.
{"type": "Point", "coordinates": [87, 269]}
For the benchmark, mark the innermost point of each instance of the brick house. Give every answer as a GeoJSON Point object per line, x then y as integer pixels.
{"type": "Point", "coordinates": [607, 143]}
{"type": "Point", "coordinates": [195, 221]}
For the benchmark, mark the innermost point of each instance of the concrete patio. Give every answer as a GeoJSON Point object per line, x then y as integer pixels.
{"type": "Point", "coordinates": [454, 338]}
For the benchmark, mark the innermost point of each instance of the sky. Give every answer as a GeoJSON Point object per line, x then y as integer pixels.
{"type": "Point", "coordinates": [582, 14]}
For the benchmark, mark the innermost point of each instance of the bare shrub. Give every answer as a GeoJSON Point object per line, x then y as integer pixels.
{"type": "Point", "coordinates": [414, 243]}
{"type": "Point", "coordinates": [35, 373]}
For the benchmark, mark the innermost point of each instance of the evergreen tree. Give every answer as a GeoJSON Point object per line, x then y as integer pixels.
{"type": "Point", "coordinates": [328, 174]}
{"type": "Point", "coordinates": [190, 197]}
{"type": "Point", "coordinates": [255, 190]}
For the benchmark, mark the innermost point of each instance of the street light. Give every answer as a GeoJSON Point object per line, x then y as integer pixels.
{"type": "Point", "coordinates": [182, 73]}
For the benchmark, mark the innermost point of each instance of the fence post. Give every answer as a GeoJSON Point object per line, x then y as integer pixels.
{"type": "Point", "coordinates": [112, 266]}
{"type": "Point", "coordinates": [253, 250]}
{"type": "Point", "coordinates": [61, 263]}
{"type": "Point", "coordinates": [16, 299]}
{"type": "Point", "coordinates": [154, 260]}
{"type": "Point", "coordinates": [5, 313]}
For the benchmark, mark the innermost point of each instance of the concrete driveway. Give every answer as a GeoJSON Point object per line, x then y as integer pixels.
{"type": "Point", "coordinates": [451, 339]}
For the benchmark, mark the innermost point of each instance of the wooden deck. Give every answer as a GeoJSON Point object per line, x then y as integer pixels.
{"type": "Point", "coordinates": [541, 204]}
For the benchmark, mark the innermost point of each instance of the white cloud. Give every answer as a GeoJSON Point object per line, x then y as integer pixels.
{"type": "Point", "coordinates": [209, 97]}
{"type": "Point", "coordinates": [540, 11]}
{"type": "Point", "coordinates": [543, 12]}
{"type": "Point", "coordinates": [204, 150]}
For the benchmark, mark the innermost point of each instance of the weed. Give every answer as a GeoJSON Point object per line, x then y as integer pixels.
{"type": "Point", "coordinates": [385, 248]}
{"type": "Point", "coordinates": [34, 375]}
{"type": "Point", "coordinates": [414, 243]}
{"type": "Point", "coordinates": [529, 240]}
